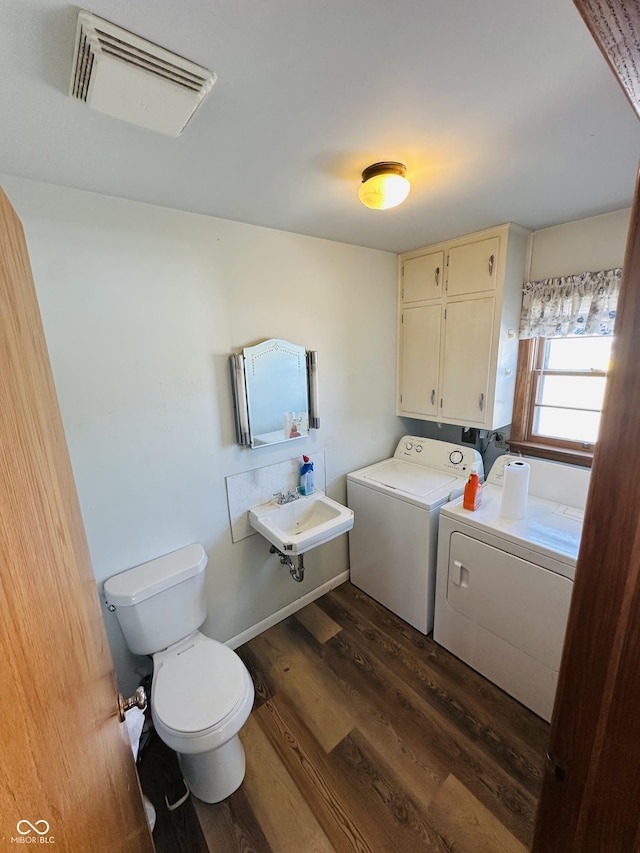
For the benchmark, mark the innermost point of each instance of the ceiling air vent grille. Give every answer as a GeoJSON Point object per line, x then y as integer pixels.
{"type": "Point", "coordinates": [128, 77]}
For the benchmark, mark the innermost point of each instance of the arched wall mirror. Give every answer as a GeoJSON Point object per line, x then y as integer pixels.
{"type": "Point", "coordinates": [275, 392]}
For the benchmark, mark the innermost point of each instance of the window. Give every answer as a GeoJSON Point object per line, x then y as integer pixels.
{"type": "Point", "coordinates": [559, 392]}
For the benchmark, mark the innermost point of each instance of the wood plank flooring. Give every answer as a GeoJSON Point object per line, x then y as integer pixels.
{"type": "Point", "coordinates": [368, 736]}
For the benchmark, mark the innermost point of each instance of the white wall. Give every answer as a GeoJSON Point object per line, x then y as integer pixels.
{"type": "Point", "coordinates": [584, 245]}
{"type": "Point", "coordinates": [141, 307]}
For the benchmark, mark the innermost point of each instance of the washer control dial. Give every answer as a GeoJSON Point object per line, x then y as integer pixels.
{"type": "Point", "coordinates": [408, 446]}
{"type": "Point", "coordinates": [418, 448]}
{"type": "Point", "coordinates": [456, 457]}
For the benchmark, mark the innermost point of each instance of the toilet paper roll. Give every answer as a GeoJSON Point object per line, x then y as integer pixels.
{"type": "Point", "coordinates": [150, 811]}
{"type": "Point", "coordinates": [134, 721]}
{"type": "Point", "coordinates": [515, 489]}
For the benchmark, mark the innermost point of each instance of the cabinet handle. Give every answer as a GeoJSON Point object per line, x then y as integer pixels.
{"type": "Point", "coordinates": [491, 260]}
{"type": "Point", "coordinates": [433, 396]}
{"type": "Point", "coordinates": [437, 276]}
{"type": "Point", "coordinates": [481, 403]}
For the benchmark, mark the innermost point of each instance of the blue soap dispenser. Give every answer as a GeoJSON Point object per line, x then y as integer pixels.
{"type": "Point", "coordinates": [306, 476]}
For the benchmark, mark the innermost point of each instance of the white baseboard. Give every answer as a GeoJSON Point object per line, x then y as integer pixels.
{"type": "Point", "coordinates": [262, 626]}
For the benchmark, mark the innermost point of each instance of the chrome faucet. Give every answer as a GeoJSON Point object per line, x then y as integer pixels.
{"type": "Point", "coordinates": [286, 497]}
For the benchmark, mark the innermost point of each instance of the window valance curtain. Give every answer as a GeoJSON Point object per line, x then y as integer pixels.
{"type": "Point", "coordinates": [583, 304]}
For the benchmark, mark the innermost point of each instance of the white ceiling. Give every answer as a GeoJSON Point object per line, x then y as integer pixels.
{"type": "Point", "coordinates": [502, 110]}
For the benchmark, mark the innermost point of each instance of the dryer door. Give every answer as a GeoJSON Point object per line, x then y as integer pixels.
{"type": "Point", "coordinates": [515, 600]}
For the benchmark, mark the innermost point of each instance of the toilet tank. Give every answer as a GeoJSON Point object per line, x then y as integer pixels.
{"type": "Point", "coordinates": [160, 602]}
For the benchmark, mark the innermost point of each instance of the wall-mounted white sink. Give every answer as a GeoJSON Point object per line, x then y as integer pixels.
{"type": "Point", "coordinates": [302, 524]}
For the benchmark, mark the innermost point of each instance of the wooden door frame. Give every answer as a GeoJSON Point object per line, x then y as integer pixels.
{"type": "Point", "coordinates": [591, 791]}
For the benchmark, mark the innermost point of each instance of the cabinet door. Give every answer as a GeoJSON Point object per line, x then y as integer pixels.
{"type": "Point", "coordinates": [472, 268]}
{"type": "Point", "coordinates": [468, 332]}
{"type": "Point", "coordinates": [420, 352]}
{"type": "Point", "coordinates": [422, 277]}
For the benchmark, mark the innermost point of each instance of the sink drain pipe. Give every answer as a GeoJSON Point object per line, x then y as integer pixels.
{"type": "Point", "coordinates": [296, 572]}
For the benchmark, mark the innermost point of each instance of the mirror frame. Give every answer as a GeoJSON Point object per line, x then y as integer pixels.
{"type": "Point", "coordinates": [237, 367]}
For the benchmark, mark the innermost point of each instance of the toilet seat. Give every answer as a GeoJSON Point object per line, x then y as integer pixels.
{"type": "Point", "coordinates": [198, 686]}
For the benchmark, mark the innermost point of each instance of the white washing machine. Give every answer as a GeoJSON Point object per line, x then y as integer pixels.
{"type": "Point", "coordinates": [504, 587]}
{"type": "Point", "coordinates": [392, 545]}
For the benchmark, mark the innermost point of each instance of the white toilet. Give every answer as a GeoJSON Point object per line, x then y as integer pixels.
{"type": "Point", "coordinates": [201, 692]}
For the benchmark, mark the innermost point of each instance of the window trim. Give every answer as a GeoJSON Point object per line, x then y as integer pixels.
{"type": "Point", "coordinates": [521, 439]}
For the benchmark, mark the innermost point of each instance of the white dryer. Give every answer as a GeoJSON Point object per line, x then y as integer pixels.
{"type": "Point", "coordinates": [504, 587]}
{"type": "Point", "coordinates": [392, 546]}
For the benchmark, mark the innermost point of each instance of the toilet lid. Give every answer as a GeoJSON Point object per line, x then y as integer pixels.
{"type": "Point", "coordinates": [199, 687]}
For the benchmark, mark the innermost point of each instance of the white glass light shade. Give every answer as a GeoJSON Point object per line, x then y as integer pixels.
{"type": "Point", "coordinates": [384, 185]}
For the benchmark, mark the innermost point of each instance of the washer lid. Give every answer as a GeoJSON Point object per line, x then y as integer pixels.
{"type": "Point", "coordinates": [405, 477]}
{"type": "Point", "coordinates": [196, 689]}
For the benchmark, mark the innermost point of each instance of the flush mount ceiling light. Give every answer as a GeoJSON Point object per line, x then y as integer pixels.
{"type": "Point", "coordinates": [384, 185]}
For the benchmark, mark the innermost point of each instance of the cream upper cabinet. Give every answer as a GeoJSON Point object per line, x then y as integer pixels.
{"type": "Point", "coordinates": [461, 340]}
{"type": "Point", "coordinates": [473, 267]}
{"type": "Point", "coordinates": [419, 357]}
{"type": "Point", "coordinates": [422, 277]}
{"type": "Point", "coordinates": [466, 360]}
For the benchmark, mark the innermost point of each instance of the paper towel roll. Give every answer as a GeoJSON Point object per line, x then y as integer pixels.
{"type": "Point", "coordinates": [515, 489]}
